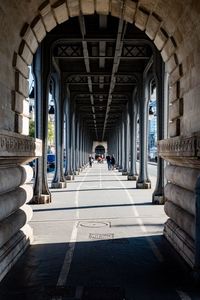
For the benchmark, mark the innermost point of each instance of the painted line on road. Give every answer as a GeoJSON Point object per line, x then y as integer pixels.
{"type": "Point", "coordinates": [62, 279]}
{"type": "Point", "coordinates": [156, 251]}
{"type": "Point", "coordinates": [100, 179]}
{"type": "Point", "coordinates": [153, 246]}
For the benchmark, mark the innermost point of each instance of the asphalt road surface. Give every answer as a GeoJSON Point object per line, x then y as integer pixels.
{"type": "Point", "coordinates": [99, 239]}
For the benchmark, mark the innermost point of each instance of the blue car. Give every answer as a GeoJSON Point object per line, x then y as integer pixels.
{"type": "Point", "coordinates": [51, 160]}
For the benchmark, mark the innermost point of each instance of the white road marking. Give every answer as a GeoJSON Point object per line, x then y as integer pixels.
{"type": "Point", "coordinates": [100, 179]}
{"type": "Point", "coordinates": [153, 246]}
{"type": "Point", "coordinates": [69, 254]}
{"type": "Point", "coordinates": [140, 222]}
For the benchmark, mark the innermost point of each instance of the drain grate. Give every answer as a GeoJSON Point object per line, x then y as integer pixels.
{"type": "Point", "coordinates": [93, 224]}
{"type": "Point", "coordinates": [101, 236]}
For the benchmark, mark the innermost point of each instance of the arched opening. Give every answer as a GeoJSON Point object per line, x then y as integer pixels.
{"type": "Point", "coordinates": [102, 95]}
{"type": "Point", "coordinates": [100, 151]}
{"type": "Point", "coordinates": [97, 100]}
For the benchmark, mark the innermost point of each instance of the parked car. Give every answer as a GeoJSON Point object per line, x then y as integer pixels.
{"type": "Point", "coordinates": [51, 162]}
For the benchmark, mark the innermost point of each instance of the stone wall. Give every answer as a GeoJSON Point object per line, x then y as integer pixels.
{"type": "Point", "coordinates": [15, 193]}
{"type": "Point", "coordinates": [181, 196]}
{"type": "Point", "coordinates": [173, 26]}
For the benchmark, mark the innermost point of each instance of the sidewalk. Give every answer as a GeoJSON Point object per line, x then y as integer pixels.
{"type": "Point", "coordinates": [99, 239]}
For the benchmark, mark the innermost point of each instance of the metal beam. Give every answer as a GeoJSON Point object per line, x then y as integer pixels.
{"type": "Point", "coordinates": [118, 50]}
{"type": "Point", "coordinates": [102, 58]}
{"type": "Point", "coordinates": [87, 64]}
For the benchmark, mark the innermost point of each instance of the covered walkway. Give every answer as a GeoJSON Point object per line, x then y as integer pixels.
{"type": "Point", "coordinates": [100, 238]}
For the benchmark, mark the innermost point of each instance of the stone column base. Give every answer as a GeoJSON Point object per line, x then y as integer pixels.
{"type": "Point", "coordinates": [143, 185]}
{"type": "Point", "coordinates": [41, 199]}
{"type": "Point", "coordinates": [59, 185]}
{"type": "Point", "coordinates": [69, 177]}
{"type": "Point", "coordinates": [124, 173]}
{"type": "Point", "coordinates": [14, 248]}
{"type": "Point", "coordinates": [181, 241]}
{"type": "Point", "coordinates": [156, 199]}
{"type": "Point", "coordinates": [132, 177]}
{"type": "Point", "coordinates": [120, 170]}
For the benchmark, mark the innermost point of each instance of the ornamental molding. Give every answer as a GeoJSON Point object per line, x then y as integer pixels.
{"type": "Point", "coordinates": [179, 146]}
{"type": "Point", "coordinates": [14, 144]}
{"type": "Point", "coordinates": [183, 151]}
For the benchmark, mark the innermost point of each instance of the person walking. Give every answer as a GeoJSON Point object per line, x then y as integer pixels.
{"type": "Point", "coordinates": [90, 160]}
{"type": "Point", "coordinates": [108, 162]}
{"type": "Point", "coordinates": [112, 161]}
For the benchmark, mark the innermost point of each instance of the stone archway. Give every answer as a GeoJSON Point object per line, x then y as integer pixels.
{"type": "Point", "coordinates": [173, 27]}
{"type": "Point", "coordinates": [100, 150]}
{"type": "Point", "coordinates": [142, 15]}
{"type": "Point", "coordinates": [102, 145]}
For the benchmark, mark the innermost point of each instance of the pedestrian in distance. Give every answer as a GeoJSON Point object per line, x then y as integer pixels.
{"type": "Point", "coordinates": [108, 162]}
{"type": "Point", "coordinates": [90, 160]}
{"type": "Point", "coordinates": [112, 161]}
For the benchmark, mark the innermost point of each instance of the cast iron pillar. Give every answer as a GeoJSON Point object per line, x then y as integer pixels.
{"type": "Point", "coordinates": [81, 146]}
{"type": "Point", "coordinates": [143, 181]}
{"type": "Point", "coordinates": [68, 166]}
{"type": "Point", "coordinates": [133, 111]}
{"type": "Point", "coordinates": [122, 147]}
{"type": "Point", "coordinates": [115, 151]}
{"type": "Point", "coordinates": [126, 143]}
{"type": "Point", "coordinates": [77, 152]}
{"type": "Point", "coordinates": [158, 194]}
{"type": "Point", "coordinates": [58, 180]}
{"type": "Point", "coordinates": [41, 70]}
{"type": "Point", "coordinates": [119, 148]}
{"type": "Point", "coordinates": [73, 140]}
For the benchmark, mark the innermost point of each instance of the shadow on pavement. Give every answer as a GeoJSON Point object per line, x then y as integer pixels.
{"type": "Point", "coordinates": [113, 269]}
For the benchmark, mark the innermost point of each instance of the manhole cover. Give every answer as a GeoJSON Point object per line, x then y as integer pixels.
{"type": "Point", "coordinates": [94, 224]}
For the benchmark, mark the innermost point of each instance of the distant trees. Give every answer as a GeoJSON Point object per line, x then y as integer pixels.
{"type": "Point", "coordinates": [51, 132]}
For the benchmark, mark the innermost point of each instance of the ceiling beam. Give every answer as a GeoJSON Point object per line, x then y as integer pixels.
{"type": "Point", "coordinates": [87, 66]}
{"type": "Point", "coordinates": [102, 58]}
{"type": "Point", "coordinates": [118, 50]}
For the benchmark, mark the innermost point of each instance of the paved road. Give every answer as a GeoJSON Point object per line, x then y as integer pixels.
{"type": "Point", "coordinates": [100, 239]}
{"type": "Point", "coordinates": [152, 169]}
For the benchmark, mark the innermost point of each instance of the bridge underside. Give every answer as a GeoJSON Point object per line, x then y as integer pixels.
{"type": "Point", "coordinates": [100, 60]}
